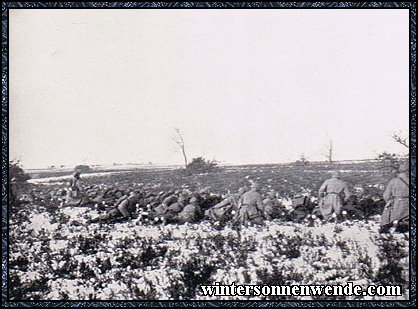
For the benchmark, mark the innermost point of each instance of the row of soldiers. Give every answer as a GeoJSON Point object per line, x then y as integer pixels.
{"type": "Point", "coordinates": [335, 191]}
{"type": "Point", "coordinates": [245, 207]}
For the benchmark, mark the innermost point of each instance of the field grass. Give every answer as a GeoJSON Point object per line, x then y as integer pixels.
{"type": "Point", "coordinates": [286, 179]}
{"type": "Point", "coordinates": [51, 257]}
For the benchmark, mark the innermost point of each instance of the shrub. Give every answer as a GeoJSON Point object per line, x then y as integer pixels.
{"type": "Point", "coordinates": [17, 173]}
{"type": "Point", "coordinates": [302, 161]}
{"type": "Point", "coordinates": [82, 168]}
{"type": "Point", "coordinates": [200, 165]}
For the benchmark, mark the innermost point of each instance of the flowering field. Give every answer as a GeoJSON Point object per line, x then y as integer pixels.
{"type": "Point", "coordinates": [55, 254]}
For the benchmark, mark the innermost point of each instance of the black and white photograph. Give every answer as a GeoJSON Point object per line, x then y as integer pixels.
{"type": "Point", "coordinates": [243, 154]}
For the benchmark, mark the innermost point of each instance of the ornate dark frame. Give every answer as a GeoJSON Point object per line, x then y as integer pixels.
{"type": "Point", "coordinates": [207, 5]}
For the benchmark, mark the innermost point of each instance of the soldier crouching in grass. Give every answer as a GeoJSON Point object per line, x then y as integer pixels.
{"type": "Point", "coordinates": [332, 193]}
{"type": "Point", "coordinates": [76, 195]}
{"type": "Point", "coordinates": [250, 207]}
{"type": "Point", "coordinates": [351, 209]}
{"type": "Point", "coordinates": [302, 207]}
{"type": "Point", "coordinates": [75, 189]}
{"type": "Point", "coordinates": [396, 195]}
{"type": "Point", "coordinates": [271, 206]}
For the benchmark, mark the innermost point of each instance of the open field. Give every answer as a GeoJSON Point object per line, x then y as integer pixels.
{"type": "Point", "coordinates": [287, 179]}
{"type": "Point", "coordinates": [55, 254]}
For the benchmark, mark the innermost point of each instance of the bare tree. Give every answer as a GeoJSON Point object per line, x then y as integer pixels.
{"type": "Point", "coordinates": [180, 143]}
{"type": "Point", "coordinates": [328, 154]}
{"type": "Point", "coordinates": [400, 140]}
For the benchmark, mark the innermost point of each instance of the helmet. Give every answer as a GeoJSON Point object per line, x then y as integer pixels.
{"type": "Point", "coordinates": [336, 174]}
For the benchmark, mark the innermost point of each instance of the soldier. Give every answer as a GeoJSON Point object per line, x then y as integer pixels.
{"type": "Point", "coordinates": [396, 196]}
{"type": "Point", "coordinates": [74, 185]}
{"type": "Point", "coordinates": [250, 207]}
{"type": "Point", "coordinates": [110, 196]}
{"type": "Point", "coordinates": [208, 200]}
{"type": "Point", "coordinates": [302, 206]}
{"type": "Point", "coordinates": [127, 205]}
{"type": "Point", "coordinates": [333, 192]}
{"type": "Point", "coordinates": [352, 209]}
{"type": "Point", "coordinates": [125, 208]}
{"type": "Point", "coordinates": [169, 200]}
{"type": "Point", "coordinates": [161, 209]}
{"type": "Point", "coordinates": [371, 207]}
{"type": "Point", "coordinates": [223, 210]}
{"type": "Point", "coordinates": [170, 214]}
{"type": "Point", "coordinates": [271, 207]}
{"type": "Point", "coordinates": [191, 212]}
{"type": "Point", "coordinates": [75, 192]}
{"type": "Point", "coordinates": [165, 194]}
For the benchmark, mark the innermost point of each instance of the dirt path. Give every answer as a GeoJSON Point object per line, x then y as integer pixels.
{"type": "Point", "coordinates": [66, 177]}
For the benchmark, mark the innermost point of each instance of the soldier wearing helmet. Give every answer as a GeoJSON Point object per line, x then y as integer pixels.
{"type": "Point", "coordinates": [332, 193]}
{"type": "Point", "coordinates": [250, 206]}
{"type": "Point", "coordinates": [396, 196]}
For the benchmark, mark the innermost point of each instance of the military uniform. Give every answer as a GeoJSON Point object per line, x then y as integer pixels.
{"type": "Point", "coordinates": [271, 207]}
{"type": "Point", "coordinates": [333, 192]}
{"type": "Point", "coordinates": [170, 200]}
{"type": "Point", "coordinates": [162, 208]}
{"type": "Point", "coordinates": [159, 210]}
{"type": "Point", "coordinates": [75, 193]}
{"type": "Point", "coordinates": [190, 213]}
{"type": "Point", "coordinates": [171, 212]}
{"type": "Point", "coordinates": [125, 208]}
{"type": "Point", "coordinates": [352, 208]}
{"type": "Point", "coordinates": [250, 208]}
{"type": "Point", "coordinates": [396, 196]}
{"type": "Point", "coordinates": [301, 207]}
{"type": "Point", "coordinates": [74, 188]}
{"type": "Point", "coordinates": [223, 210]}
{"type": "Point", "coordinates": [110, 197]}
{"type": "Point", "coordinates": [209, 200]}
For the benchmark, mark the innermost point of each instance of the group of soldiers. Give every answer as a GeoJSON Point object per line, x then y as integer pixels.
{"type": "Point", "coordinates": [246, 206]}
{"type": "Point", "coordinates": [334, 192]}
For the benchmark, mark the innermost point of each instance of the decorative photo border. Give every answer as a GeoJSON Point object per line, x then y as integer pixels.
{"type": "Point", "coordinates": [6, 6]}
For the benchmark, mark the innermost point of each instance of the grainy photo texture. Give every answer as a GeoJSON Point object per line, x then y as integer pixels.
{"type": "Point", "coordinates": [244, 154]}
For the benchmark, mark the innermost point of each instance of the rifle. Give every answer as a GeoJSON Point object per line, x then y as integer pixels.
{"type": "Point", "coordinates": [389, 206]}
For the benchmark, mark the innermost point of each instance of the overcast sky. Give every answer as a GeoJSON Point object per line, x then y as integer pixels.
{"type": "Point", "coordinates": [244, 86]}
